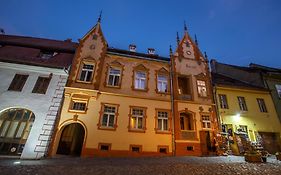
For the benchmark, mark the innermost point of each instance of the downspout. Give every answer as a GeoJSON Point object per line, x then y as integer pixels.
{"type": "Point", "coordinates": [172, 100]}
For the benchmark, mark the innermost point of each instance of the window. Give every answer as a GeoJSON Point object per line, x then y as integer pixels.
{"type": "Point", "coordinates": [114, 77]}
{"type": "Point", "coordinates": [186, 121]}
{"type": "Point", "coordinates": [136, 148]}
{"type": "Point", "coordinates": [140, 80]}
{"type": "Point", "coordinates": [184, 86]}
{"type": "Point", "coordinates": [202, 89]}
{"type": "Point", "coordinates": [278, 89]}
{"type": "Point", "coordinates": [223, 101]}
{"type": "Point", "coordinates": [190, 148]}
{"type": "Point", "coordinates": [86, 73]}
{"type": "Point", "coordinates": [41, 85]}
{"type": "Point", "coordinates": [162, 83]}
{"type": "Point", "coordinates": [108, 116]}
{"type": "Point", "coordinates": [104, 146]}
{"type": "Point", "coordinates": [18, 82]}
{"type": "Point", "coordinates": [79, 106]}
{"type": "Point", "coordinates": [137, 119]}
{"type": "Point", "coordinates": [261, 104]}
{"type": "Point", "coordinates": [206, 122]}
{"type": "Point", "coordinates": [163, 150]}
{"type": "Point", "coordinates": [46, 54]}
{"type": "Point", "coordinates": [162, 121]}
{"type": "Point", "coordinates": [242, 104]}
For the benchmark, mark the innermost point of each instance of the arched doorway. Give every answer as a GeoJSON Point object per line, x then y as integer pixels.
{"type": "Point", "coordinates": [15, 126]}
{"type": "Point", "coordinates": [71, 140]}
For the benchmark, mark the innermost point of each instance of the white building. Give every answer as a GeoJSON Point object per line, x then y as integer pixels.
{"type": "Point", "coordinates": [33, 73]}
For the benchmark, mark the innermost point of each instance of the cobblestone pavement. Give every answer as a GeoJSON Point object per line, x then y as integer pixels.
{"type": "Point", "coordinates": [139, 166]}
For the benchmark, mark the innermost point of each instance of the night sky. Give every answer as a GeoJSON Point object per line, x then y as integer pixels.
{"type": "Point", "coordinates": [232, 31]}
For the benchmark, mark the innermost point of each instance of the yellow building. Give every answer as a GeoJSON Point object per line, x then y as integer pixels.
{"type": "Point", "coordinates": [118, 102]}
{"type": "Point", "coordinates": [245, 109]}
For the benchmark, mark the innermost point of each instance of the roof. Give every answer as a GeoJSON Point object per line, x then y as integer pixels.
{"type": "Point", "coordinates": [264, 68]}
{"type": "Point", "coordinates": [222, 80]}
{"type": "Point", "coordinates": [26, 50]}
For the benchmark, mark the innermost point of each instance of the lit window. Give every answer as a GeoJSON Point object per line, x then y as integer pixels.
{"type": "Point", "coordinates": [137, 118]}
{"type": "Point", "coordinates": [223, 101]}
{"type": "Point", "coordinates": [79, 106]}
{"type": "Point", "coordinates": [86, 73]}
{"type": "Point", "coordinates": [162, 83]}
{"type": "Point", "coordinates": [162, 121]}
{"type": "Point", "coordinates": [261, 104]}
{"type": "Point", "coordinates": [206, 122]}
{"type": "Point", "coordinates": [202, 89]}
{"type": "Point", "coordinates": [108, 117]}
{"type": "Point", "coordinates": [242, 104]}
{"type": "Point", "coordinates": [114, 77]}
{"type": "Point", "coordinates": [140, 80]}
{"type": "Point", "coordinates": [278, 89]}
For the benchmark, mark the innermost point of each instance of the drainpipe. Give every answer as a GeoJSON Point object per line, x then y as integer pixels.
{"type": "Point", "coordinates": [172, 100]}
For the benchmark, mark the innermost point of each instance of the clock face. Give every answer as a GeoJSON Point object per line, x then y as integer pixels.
{"type": "Point", "coordinates": [188, 53]}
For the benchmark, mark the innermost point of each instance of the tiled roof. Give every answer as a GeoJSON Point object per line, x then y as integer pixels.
{"type": "Point", "coordinates": [26, 50]}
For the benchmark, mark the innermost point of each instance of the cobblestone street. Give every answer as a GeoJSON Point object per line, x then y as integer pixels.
{"type": "Point", "coordinates": [141, 166]}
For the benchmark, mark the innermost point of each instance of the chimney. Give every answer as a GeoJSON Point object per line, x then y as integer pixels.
{"type": "Point", "coordinates": [151, 51]}
{"type": "Point", "coordinates": [69, 40]}
{"type": "Point", "coordinates": [132, 48]}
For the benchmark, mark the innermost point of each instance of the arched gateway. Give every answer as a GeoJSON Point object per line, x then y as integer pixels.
{"type": "Point", "coordinates": [15, 126]}
{"type": "Point", "coordinates": [71, 140]}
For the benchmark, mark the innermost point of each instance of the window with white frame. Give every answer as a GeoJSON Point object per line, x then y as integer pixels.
{"type": "Point", "coordinates": [137, 118]}
{"type": "Point", "coordinates": [114, 77]}
{"type": "Point", "coordinates": [206, 122]}
{"type": "Point", "coordinates": [202, 89]}
{"type": "Point", "coordinates": [108, 117]}
{"type": "Point", "coordinates": [242, 104]}
{"type": "Point", "coordinates": [86, 72]}
{"type": "Point", "coordinates": [261, 104]}
{"type": "Point", "coordinates": [162, 83]}
{"type": "Point", "coordinates": [78, 105]}
{"type": "Point", "coordinates": [223, 101]}
{"type": "Point", "coordinates": [162, 121]}
{"type": "Point", "coordinates": [140, 80]}
{"type": "Point", "coordinates": [278, 89]}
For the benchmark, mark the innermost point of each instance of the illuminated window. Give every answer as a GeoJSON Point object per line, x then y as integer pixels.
{"type": "Point", "coordinates": [278, 89]}
{"type": "Point", "coordinates": [162, 121]}
{"type": "Point", "coordinates": [86, 72]}
{"type": "Point", "coordinates": [223, 101]}
{"type": "Point", "coordinates": [114, 77]}
{"type": "Point", "coordinates": [202, 89]}
{"type": "Point", "coordinates": [18, 82]}
{"type": "Point", "coordinates": [162, 83]}
{"type": "Point", "coordinates": [137, 119]}
{"type": "Point", "coordinates": [206, 122]}
{"type": "Point", "coordinates": [261, 104]}
{"type": "Point", "coordinates": [41, 85]}
{"type": "Point", "coordinates": [108, 117]}
{"type": "Point", "coordinates": [242, 103]}
{"type": "Point", "coordinates": [140, 80]}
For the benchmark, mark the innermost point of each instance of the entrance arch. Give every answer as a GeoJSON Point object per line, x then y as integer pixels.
{"type": "Point", "coordinates": [15, 126]}
{"type": "Point", "coordinates": [71, 140]}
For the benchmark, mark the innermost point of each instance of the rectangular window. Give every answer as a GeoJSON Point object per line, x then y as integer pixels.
{"type": "Point", "coordinates": [108, 117]}
{"type": "Point", "coordinates": [223, 101]}
{"type": "Point", "coordinates": [242, 104]}
{"type": "Point", "coordinates": [163, 150]}
{"type": "Point", "coordinates": [104, 146]}
{"type": "Point", "coordinates": [162, 121]}
{"type": "Point", "coordinates": [261, 104]}
{"type": "Point", "coordinates": [137, 118]}
{"type": "Point", "coordinates": [206, 122]}
{"type": "Point", "coordinates": [86, 73]}
{"type": "Point", "coordinates": [18, 82]}
{"type": "Point", "coordinates": [162, 83]}
{"type": "Point", "coordinates": [114, 77]}
{"type": "Point", "coordinates": [278, 89]}
{"type": "Point", "coordinates": [140, 80]}
{"type": "Point", "coordinates": [184, 86]}
{"type": "Point", "coordinates": [202, 89]}
{"type": "Point", "coordinates": [79, 106]}
{"type": "Point", "coordinates": [136, 148]}
{"type": "Point", "coordinates": [41, 85]}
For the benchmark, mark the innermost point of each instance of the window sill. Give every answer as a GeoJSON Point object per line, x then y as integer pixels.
{"type": "Point", "coordinates": [116, 87]}
{"type": "Point", "coordinates": [107, 128]}
{"type": "Point", "coordinates": [77, 111]}
{"type": "Point", "coordinates": [85, 82]}
{"type": "Point", "coordinates": [141, 90]}
{"type": "Point", "coordinates": [163, 93]}
{"type": "Point", "coordinates": [137, 130]}
{"type": "Point", "coordinates": [162, 132]}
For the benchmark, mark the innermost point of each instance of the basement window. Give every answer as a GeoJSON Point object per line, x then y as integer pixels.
{"type": "Point", "coordinates": [163, 150]}
{"type": "Point", "coordinates": [136, 148]}
{"type": "Point", "coordinates": [190, 148]}
{"type": "Point", "coordinates": [104, 147]}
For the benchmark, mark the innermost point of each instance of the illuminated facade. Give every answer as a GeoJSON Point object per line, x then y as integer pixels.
{"type": "Point", "coordinates": [119, 103]}
{"type": "Point", "coordinates": [32, 83]}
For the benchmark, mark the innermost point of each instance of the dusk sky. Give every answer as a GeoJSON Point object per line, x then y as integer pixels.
{"type": "Point", "coordinates": [232, 31]}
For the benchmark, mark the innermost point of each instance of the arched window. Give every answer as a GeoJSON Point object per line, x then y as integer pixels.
{"type": "Point", "coordinates": [15, 126]}
{"type": "Point", "coordinates": [186, 121]}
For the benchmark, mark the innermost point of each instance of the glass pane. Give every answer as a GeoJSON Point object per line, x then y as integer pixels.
{"type": "Point", "coordinates": [116, 81]}
{"type": "Point", "coordinates": [110, 80]}
{"type": "Point", "coordinates": [19, 115]}
{"type": "Point", "coordinates": [133, 122]}
{"type": "Point", "coordinates": [165, 124]}
{"type": "Point", "coordinates": [28, 128]}
{"type": "Point", "coordinates": [20, 130]}
{"type": "Point", "coordinates": [159, 124]}
{"type": "Point", "coordinates": [104, 120]}
{"type": "Point", "coordinates": [12, 113]}
{"type": "Point", "coordinates": [82, 76]}
{"type": "Point", "coordinates": [111, 120]}
{"type": "Point", "coordinates": [140, 123]}
{"type": "Point", "coordinates": [89, 76]}
{"type": "Point", "coordinates": [12, 129]}
{"type": "Point", "coordinates": [26, 115]}
{"type": "Point", "coordinates": [4, 128]}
